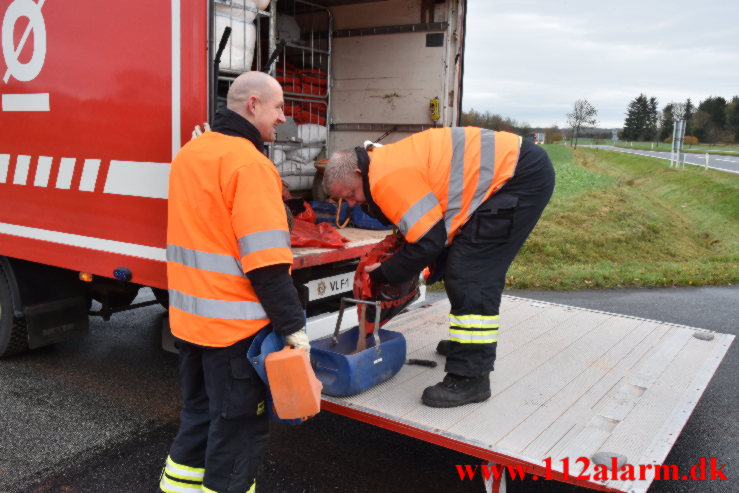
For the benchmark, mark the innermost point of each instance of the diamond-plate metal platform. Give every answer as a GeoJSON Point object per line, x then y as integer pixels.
{"type": "Point", "coordinates": [568, 383]}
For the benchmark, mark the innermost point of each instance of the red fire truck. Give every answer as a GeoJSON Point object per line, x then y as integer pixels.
{"type": "Point", "coordinates": [97, 97]}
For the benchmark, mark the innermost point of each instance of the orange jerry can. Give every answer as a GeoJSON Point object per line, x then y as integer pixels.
{"type": "Point", "coordinates": [296, 392]}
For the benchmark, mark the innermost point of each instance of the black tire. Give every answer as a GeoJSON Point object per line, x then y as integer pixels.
{"type": "Point", "coordinates": [13, 333]}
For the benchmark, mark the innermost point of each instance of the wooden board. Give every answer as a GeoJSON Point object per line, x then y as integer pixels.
{"type": "Point", "coordinates": [360, 241]}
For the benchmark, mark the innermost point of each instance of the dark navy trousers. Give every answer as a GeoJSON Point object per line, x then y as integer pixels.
{"type": "Point", "coordinates": [483, 250]}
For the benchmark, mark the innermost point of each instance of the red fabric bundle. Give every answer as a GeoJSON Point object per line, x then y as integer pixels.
{"type": "Point", "coordinates": [314, 89]}
{"type": "Point", "coordinates": [314, 76]}
{"type": "Point", "coordinates": [292, 87]}
{"type": "Point", "coordinates": [312, 118]}
{"type": "Point", "coordinates": [308, 215]}
{"type": "Point", "coordinates": [294, 110]}
{"type": "Point", "coordinates": [319, 235]}
{"type": "Point", "coordinates": [313, 113]}
{"type": "Point", "coordinates": [393, 298]}
{"type": "Point", "coordinates": [316, 108]}
{"type": "Point", "coordinates": [288, 76]}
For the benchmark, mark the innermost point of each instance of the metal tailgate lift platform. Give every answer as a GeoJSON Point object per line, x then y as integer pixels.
{"type": "Point", "coordinates": [568, 383]}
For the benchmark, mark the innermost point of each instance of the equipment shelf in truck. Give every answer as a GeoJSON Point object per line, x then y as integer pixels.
{"type": "Point", "coordinates": [568, 383]}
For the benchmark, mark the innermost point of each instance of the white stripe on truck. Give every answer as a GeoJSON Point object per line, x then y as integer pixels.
{"type": "Point", "coordinates": [131, 178]}
{"type": "Point", "coordinates": [138, 179]}
{"type": "Point", "coordinates": [4, 163]}
{"type": "Point", "coordinates": [110, 246]}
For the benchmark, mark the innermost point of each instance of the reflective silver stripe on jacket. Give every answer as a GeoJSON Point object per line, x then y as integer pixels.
{"type": "Point", "coordinates": [212, 262]}
{"type": "Point", "coordinates": [416, 212]}
{"type": "Point", "coordinates": [487, 168]}
{"type": "Point", "coordinates": [230, 310]}
{"type": "Point", "coordinates": [456, 178]}
{"type": "Point", "coordinates": [262, 240]}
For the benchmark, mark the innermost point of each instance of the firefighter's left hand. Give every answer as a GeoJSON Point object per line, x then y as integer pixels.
{"type": "Point", "coordinates": [197, 131]}
{"type": "Point", "coordinates": [298, 339]}
{"type": "Point", "coordinates": [372, 267]}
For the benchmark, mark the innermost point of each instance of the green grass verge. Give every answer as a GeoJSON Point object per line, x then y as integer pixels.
{"type": "Point", "coordinates": [621, 220]}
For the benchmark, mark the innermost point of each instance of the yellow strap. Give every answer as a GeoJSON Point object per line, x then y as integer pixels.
{"type": "Point", "coordinates": [338, 213]}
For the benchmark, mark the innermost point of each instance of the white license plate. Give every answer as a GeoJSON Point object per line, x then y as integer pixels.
{"type": "Point", "coordinates": [330, 286]}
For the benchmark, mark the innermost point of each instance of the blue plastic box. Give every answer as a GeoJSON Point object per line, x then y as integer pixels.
{"type": "Point", "coordinates": [343, 373]}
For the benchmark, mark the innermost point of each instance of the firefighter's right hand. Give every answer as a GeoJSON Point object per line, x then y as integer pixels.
{"type": "Point", "coordinates": [298, 339]}
{"type": "Point", "coordinates": [197, 131]}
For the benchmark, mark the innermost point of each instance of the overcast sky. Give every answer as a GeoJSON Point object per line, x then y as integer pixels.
{"type": "Point", "coordinates": [530, 60]}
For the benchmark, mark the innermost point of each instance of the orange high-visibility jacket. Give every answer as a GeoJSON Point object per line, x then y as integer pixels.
{"type": "Point", "coordinates": [440, 173]}
{"type": "Point", "coordinates": [226, 218]}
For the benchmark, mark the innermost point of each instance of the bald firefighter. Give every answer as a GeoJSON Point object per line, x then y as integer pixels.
{"type": "Point", "coordinates": [465, 199]}
{"type": "Point", "coordinates": [228, 268]}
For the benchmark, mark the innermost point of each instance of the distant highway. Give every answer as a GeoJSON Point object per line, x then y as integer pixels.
{"type": "Point", "coordinates": [730, 164]}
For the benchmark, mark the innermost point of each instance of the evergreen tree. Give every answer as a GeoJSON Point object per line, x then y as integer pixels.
{"type": "Point", "coordinates": [710, 120]}
{"type": "Point", "coordinates": [732, 118]}
{"type": "Point", "coordinates": [688, 117]}
{"type": "Point", "coordinates": [667, 123]}
{"type": "Point", "coordinates": [652, 120]}
{"type": "Point", "coordinates": [638, 119]}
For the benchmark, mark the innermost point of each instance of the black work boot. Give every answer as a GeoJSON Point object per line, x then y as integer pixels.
{"type": "Point", "coordinates": [456, 390]}
{"type": "Point", "coordinates": [444, 347]}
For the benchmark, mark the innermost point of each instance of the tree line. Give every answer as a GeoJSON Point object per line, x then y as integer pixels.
{"type": "Point", "coordinates": [714, 120]}
{"type": "Point", "coordinates": [585, 127]}
{"type": "Point", "coordinates": [494, 121]}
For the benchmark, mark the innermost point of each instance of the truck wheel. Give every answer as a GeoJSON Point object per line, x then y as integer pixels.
{"type": "Point", "coordinates": [13, 334]}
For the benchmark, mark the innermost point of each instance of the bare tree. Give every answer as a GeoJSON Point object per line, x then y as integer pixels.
{"type": "Point", "coordinates": [678, 111]}
{"type": "Point", "coordinates": [583, 115]}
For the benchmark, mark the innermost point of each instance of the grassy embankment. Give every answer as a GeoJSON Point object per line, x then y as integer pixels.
{"type": "Point", "coordinates": [620, 220]}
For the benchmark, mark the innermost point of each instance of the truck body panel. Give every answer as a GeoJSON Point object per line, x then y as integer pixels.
{"type": "Point", "coordinates": [89, 131]}
{"type": "Point", "coordinates": [84, 172]}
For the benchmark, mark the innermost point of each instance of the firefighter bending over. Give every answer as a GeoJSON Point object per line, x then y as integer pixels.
{"type": "Point", "coordinates": [464, 197]}
{"type": "Point", "coordinates": [228, 261]}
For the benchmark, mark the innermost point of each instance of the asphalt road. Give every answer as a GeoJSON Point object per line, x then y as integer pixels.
{"type": "Point", "coordinates": [98, 415]}
{"type": "Point", "coordinates": [721, 163]}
